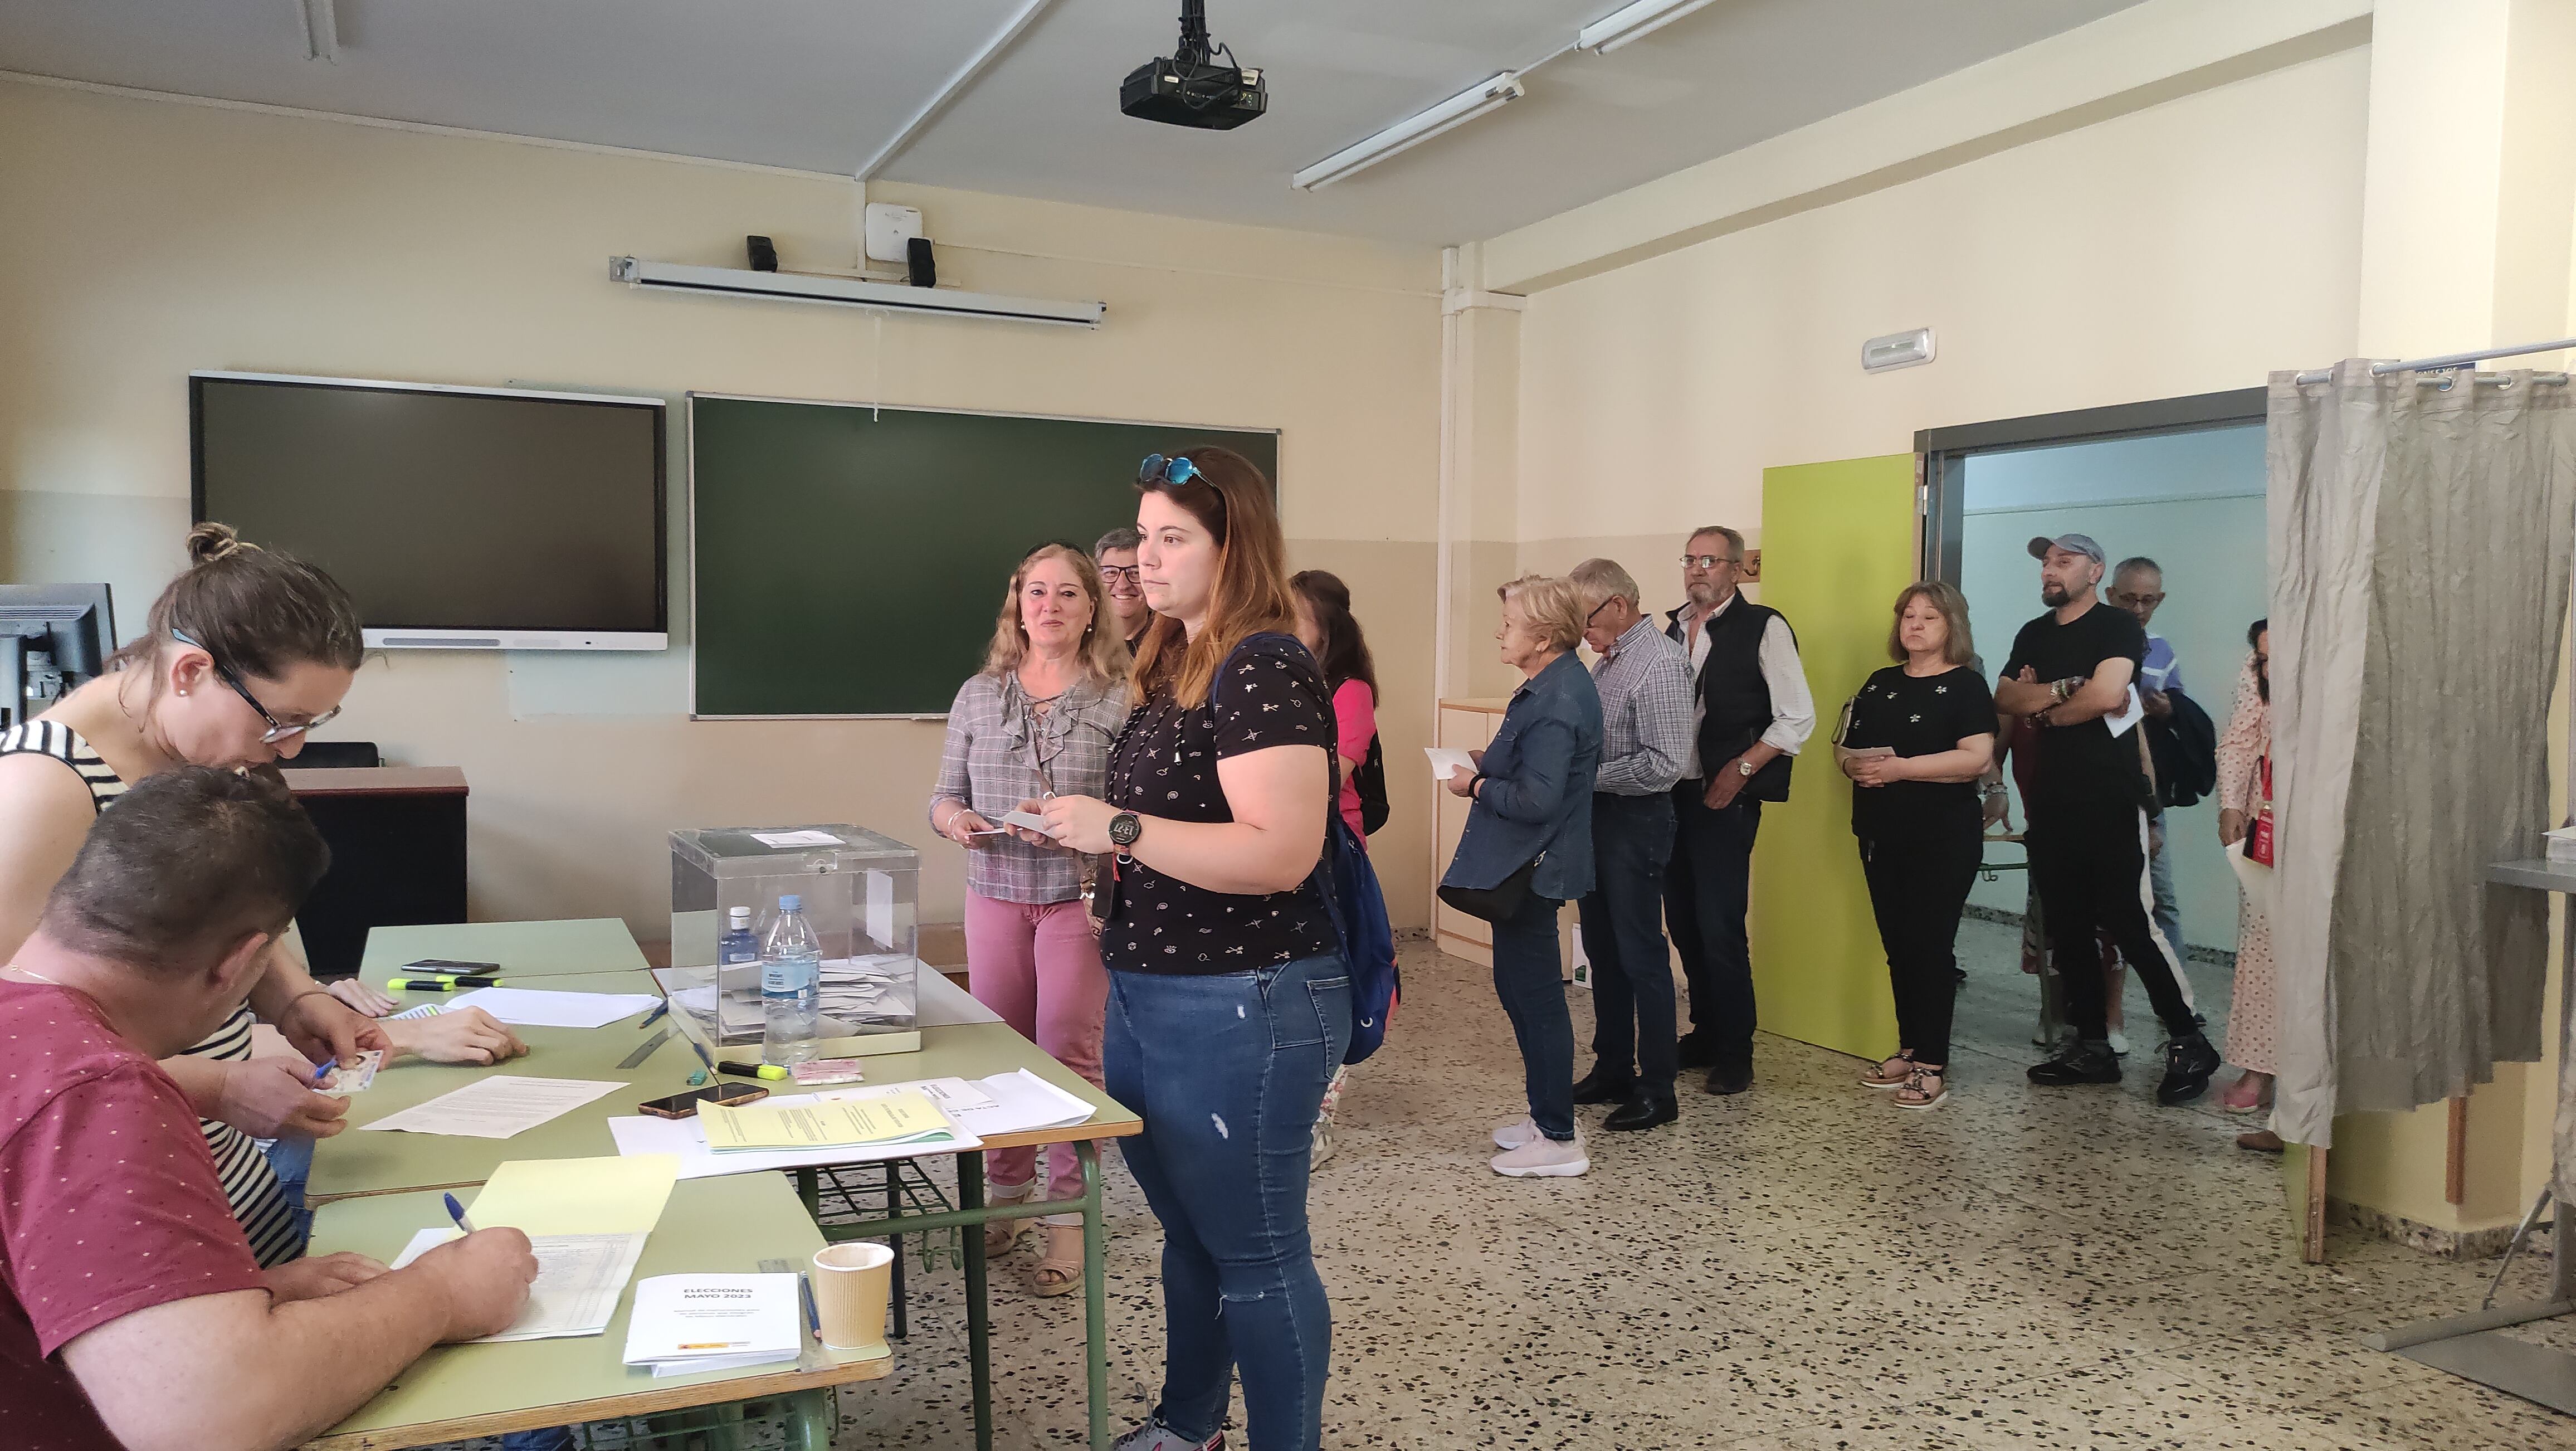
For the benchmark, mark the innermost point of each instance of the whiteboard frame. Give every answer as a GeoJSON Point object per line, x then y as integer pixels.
{"type": "Point", "coordinates": [689, 500]}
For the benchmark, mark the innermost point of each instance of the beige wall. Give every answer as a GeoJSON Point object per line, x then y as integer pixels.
{"type": "Point", "coordinates": [142, 239]}
{"type": "Point", "coordinates": [2191, 246]}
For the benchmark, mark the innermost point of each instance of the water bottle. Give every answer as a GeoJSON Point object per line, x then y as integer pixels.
{"type": "Point", "coordinates": [791, 985]}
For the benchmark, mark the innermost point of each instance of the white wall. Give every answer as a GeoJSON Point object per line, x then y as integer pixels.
{"type": "Point", "coordinates": [141, 239]}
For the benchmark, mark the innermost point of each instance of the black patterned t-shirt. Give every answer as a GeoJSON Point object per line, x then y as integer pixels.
{"type": "Point", "coordinates": [1268, 693]}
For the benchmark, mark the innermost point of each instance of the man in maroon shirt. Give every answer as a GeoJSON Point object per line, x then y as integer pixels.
{"type": "Point", "coordinates": [131, 1311]}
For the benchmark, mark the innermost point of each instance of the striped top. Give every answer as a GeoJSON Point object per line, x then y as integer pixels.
{"type": "Point", "coordinates": [250, 1185]}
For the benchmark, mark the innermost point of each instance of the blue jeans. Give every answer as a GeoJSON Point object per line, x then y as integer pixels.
{"type": "Point", "coordinates": [292, 1161]}
{"type": "Point", "coordinates": [1532, 987]}
{"type": "Point", "coordinates": [1228, 1072]}
{"type": "Point", "coordinates": [1633, 1021]}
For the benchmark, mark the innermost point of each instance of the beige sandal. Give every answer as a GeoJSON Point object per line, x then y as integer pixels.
{"type": "Point", "coordinates": [1001, 1236]}
{"type": "Point", "coordinates": [1059, 1268]}
{"type": "Point", "coordinates": [1892, 1073]}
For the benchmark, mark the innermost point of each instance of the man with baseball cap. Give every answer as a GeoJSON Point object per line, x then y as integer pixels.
{"type": "Point", "coordinates": [2071, 672]}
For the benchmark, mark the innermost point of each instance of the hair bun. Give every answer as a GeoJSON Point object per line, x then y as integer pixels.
{"type": "Point", "coordinates": [211, 541]}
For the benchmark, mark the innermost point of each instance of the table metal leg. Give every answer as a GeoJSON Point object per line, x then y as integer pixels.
{"type": "Point", "coordinates": [810, 1415]}
{"type": "Point", "coordinates": [979, 1328]}
{"type": "Point", "coordinates": [894, 1207]}
{"type": "Point", "coordinates": [1095, 1292]}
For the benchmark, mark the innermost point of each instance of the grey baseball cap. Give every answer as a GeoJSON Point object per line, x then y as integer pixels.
{"type": "Point", "coordinates": [2071, 543]}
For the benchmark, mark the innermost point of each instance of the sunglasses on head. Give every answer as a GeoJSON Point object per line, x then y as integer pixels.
{"type": "Point", "coordinates": [1160, 472]}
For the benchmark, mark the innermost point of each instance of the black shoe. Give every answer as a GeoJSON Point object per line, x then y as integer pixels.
{"type": "Point", "coordinates": [1730, 1080]}
{"type": "Point", "coordinates": [2188, 1064]}
{"type": "Point", "coordinates": [1642, 1112]}
{"type": "Point", "coordinates": [1695, 1049]}
{"type": "Point", "coordinates": [1598, 1086]}
{"type": "Point", "coordinates": [2083, 1061]}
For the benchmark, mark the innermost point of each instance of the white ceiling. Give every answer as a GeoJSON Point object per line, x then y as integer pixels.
{"type": "Point", "coordinates": [821, 85]}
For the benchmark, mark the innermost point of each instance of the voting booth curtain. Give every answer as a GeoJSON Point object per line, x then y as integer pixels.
{"type": "Point", "coordinates": [2420, 533]}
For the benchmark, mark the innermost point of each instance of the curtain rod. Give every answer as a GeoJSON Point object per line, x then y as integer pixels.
{"type": "Point", "coordinates": [2454, 360]}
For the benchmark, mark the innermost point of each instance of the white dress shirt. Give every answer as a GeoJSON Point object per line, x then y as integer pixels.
{"type": "Point", "coordinates": [1793, 708]}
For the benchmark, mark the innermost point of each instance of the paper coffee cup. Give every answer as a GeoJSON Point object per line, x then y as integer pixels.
{"type": "Point", "coordinates": [851, 1285]}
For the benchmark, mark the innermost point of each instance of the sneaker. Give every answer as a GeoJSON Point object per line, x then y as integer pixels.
{"type": "Point", "coordinates": [2119, 1042]}
{"type": "Point", "coordinates": [2078, 1062]}
{"type": "Point", "coordinates": [1543, 1158]}
{"type": "Point", "coordinates": [1516, 1133]}
{"type": "Point", "coordinates": [1322, 1146]}
{"type": "Point", "coordinates": [2188, 1063]}
{"type": "Point", "coordinates": [1155, 1436]}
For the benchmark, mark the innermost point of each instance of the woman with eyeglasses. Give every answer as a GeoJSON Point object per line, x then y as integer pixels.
{"type": "Point", "coordinates": [1037, 720]}
{"type": "Point", "coordinates": [1229, 1004]}
{"type": "Point", "coordinates": [245, 652]}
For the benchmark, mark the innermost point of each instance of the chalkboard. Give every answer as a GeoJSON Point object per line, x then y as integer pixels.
{"type": "Point", "coordinates": [850, 560]}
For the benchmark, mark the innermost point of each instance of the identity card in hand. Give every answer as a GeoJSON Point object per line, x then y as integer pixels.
{"type": "Point", "coordinates": [349, 1078]}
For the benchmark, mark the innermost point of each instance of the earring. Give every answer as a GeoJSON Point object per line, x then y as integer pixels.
{"type": "Point", "coordinates": [183, 690]}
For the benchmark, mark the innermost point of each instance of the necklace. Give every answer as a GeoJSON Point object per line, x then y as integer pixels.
{"type": "Point", "coordinates": [31, 972]}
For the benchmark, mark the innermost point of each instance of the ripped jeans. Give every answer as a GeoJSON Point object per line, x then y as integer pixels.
{"type": "Point", "coordinates": [1228, 1072]}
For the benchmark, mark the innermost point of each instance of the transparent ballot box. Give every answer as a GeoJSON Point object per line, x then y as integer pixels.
{"type": "Point", "coordinates": [861, 891]}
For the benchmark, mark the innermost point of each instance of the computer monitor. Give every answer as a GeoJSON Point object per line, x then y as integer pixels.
{"type": "Point", "coordinates": [53, 637]}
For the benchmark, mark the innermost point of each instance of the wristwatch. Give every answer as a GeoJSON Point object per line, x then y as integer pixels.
{"type": "Point", "coordinates": [1124, 828]}
{"type": "Point", "coordinates": [1744, 768]}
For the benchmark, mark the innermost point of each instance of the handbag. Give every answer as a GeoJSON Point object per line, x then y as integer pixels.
{"type": "Point", "coordinates": [1499, 902]}
{"type": "Point", "coordinates": [2258, 838]}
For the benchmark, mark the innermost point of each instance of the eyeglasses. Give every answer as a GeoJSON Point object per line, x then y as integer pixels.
{"type": "Point", "coordinates": [2129, 599]}
{"type": "Point", "coordinates": [1706, 561]}
{"type": "Point", "coordinates": [1132, 573]}
{"type": "Point", "coordinates": [277, 730]}
{"type": "Point", "coordinates": [1596, 612]}
{"type": "Point", "coordinates": [1158, 471]}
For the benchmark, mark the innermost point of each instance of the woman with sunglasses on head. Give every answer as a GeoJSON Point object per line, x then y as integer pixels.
{"type": "Point", "coordinates": [246, 651]}
{"type": "Point", "coordinates": [1229, 1004]}
{"type": "Point", "coordinates": [1037, 720]}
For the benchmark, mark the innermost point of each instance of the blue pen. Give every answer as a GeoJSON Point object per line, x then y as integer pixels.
{"type": "Point", "coordinates": [654, 1016]}
{"type": "Point", "coordinates": [813, 1316]}
{"type": "Point", "coordinates": [323, 1070]}
{"type": "Point", "coordinates": [456, 1212]}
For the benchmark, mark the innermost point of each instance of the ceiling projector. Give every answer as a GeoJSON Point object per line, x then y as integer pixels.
{"type": "Point", "coordinates": [1189, 88]}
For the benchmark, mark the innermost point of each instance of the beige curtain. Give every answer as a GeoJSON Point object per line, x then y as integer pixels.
{"type": "Point", "coordinates": [2420, 548]}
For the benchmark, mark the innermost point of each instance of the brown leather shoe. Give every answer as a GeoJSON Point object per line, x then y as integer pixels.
{"type": "Point", "coordinates": [2261, 1141]}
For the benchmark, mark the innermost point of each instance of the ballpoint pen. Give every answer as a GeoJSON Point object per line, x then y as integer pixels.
{"type": "Point", "coordinates": [456, 1212]}
{"type": "Point", "coordinates": [654, 1016]}
{"type": "Point", "coordinates": [703, 1074]}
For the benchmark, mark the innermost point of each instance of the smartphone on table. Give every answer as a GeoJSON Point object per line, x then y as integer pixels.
{"type": "Point", "coordinates": [686, 1105]}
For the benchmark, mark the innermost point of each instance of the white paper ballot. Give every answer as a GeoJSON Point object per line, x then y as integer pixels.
{"type": "Point", "coordinates": [681, 1321]}
{"type": "Point", "coordinates": [2131, 712]}
{"type": "Point", "coordinates": [795, 838]}
{"type": "Point", "coordinates": [1447, 763]}
{"type": "Point", "coordinates": [496, 1107]}
{"type": "Point", "coordinates": [579, 1278]}
{"type": "Point", "coordinates": [880, 910]}
{"type": "Point", "coordinates": [542, 1008]}
{"type": "Point", "coordinates": [1026, 820]}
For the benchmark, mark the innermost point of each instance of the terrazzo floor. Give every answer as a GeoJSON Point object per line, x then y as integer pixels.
{"type": "Point", "coordinates": [1801, 1268]}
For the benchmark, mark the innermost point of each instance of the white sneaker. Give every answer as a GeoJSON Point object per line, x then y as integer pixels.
{"type": "Point", "coordinates": [1320, 1147]}
{"type": "Point", "coordinates": [1516, 1133]}
{"type": "Point", "coordinates": [2119, 1042]}
{"type": "Point", "coordinates": [1544, 1158]}
{"type": "Point", "coordinates": [1155, 1436]}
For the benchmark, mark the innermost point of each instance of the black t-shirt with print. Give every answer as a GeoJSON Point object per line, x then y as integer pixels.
{"type": "Point", "coordinates": [1918, 716]}
{"type": "Point", "coordinates": [2083, 768]}
{"type": "Point", "coordinates": [1267, 693]}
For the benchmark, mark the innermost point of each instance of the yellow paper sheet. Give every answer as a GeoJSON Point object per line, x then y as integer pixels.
{"type": "Point", "coordinates": [891, 1119]}
{"type": "Point", "coordinates": [617, 1195]}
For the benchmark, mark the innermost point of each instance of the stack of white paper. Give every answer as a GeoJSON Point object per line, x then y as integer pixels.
{"type": "Point", "coordinates": [541, 1008]}
{"type": "Point", "coordinates": [496, 1107]}
{"type": "Point", "coordinates": [579, 1277]}
{"type": "Point", "coordinates": [688, 1323]}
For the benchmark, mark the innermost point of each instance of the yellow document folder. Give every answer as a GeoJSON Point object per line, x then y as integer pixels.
{"type": "Point", "coordinates": [908, 1117]}
{"type": "Point", "coordinates": [616, 1195]}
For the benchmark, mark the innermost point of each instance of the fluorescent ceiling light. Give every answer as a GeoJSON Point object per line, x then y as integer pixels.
{"type": "Point", "coordinates": [321, 30]}
{"type": "Point", "coordinates": [850, 292]}
{"type": "Point", "coordinates": [1632, 22]}
{"type": "Point", "coordinates": [1458, 110]}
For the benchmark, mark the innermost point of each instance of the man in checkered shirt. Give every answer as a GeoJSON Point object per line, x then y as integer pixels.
{"type": "Point", "coordinates": [1644, 681]}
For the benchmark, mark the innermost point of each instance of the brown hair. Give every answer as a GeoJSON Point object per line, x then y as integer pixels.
{"type": "Point", "coordinates": [190, 862]}
{"type": "Point", "coordinates": [1346, 652]}
{"type": "Point", "coordinates": [1734, 538]}
{"type": "Point", "coordinates": [1104, 654]}
{"type": "Point", "coordinates": [1231, 500]}
{"type": "Point", "coordinates": [1959, 649]}
{"type": "Point", "coordinates": [255, 610]}
{"type": "Point", "coordinates": [1552, 605]}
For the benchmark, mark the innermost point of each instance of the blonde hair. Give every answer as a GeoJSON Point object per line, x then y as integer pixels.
{"type": "Point", "coordinates": [1103, 653]}
{"type": "Point", "coordinates": [1552, 605]}
{"type": "Point", "coordinates": [1959, 649]}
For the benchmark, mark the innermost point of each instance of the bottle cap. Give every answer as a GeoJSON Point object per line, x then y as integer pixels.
{"type": "Point", "coordinates": [739, 916]}
{"type": "Point", "coordinates": [791, 903]}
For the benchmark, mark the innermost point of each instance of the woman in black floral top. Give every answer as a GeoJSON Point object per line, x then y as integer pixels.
{"type": "Point", "coordinates": [1229, 1003]}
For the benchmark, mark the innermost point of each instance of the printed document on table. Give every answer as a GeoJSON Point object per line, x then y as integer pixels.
{"type": "Point", "coordinates": [1447, 763]}
{"type": "Point", "coordinates": [613, 1195]}
{"type": "Point", "coordinates": [899, 1117]}
{"type": "Point", "coordinates": [687, 1137]}
{"type": "Point", "coordinates": [579, 1278]}
{"type": "Point", "coordinates": [496, 1107]}
{"type": "Point", "coordinates": [684, 1320]}
{"type": "Point", "coordinates": [540, 1008]}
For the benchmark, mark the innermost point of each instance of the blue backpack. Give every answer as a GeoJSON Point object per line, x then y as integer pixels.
{"type": "Point", "coordinates": [1350, 889]}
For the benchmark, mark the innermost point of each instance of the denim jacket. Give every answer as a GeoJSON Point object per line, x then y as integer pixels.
{"type": "Point", "coordinates": [1537, 795]}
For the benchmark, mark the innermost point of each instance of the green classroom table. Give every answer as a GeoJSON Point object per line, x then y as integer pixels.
{"type": "Point", "coordinates": [355, 1165]}
{"type": "Point", "coordinates": [711, 1226]}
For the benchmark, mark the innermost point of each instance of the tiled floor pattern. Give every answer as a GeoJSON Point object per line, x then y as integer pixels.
{"type": "Point", "coordinates": [1801, 1268]}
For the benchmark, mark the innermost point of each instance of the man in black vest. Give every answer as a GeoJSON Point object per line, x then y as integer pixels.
{"type": "Point", "coordinates": [1753, 711]}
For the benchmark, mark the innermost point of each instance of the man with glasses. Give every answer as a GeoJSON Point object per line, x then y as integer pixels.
{"type": "Point", "coordinates": [1644, 682]}
{"type": "Point", "coordinates": [1124, 580]}
{"type": "Point", "coordinates": [1751, 712]}
{"type": "Point", "coordinates": [2138, 586]}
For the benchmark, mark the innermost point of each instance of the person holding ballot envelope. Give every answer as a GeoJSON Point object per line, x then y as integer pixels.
{"type": "Point", "coordinates": [1036, 721]}
{"type": "Point", "coordinates": [1917, 737]}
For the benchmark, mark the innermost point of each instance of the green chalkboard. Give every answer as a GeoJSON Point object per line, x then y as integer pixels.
{"type": "Point", "coordinates": [850, 560]}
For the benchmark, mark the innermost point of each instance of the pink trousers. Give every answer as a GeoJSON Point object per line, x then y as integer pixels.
{"type": "Point", "coordinates": [1039, 967]}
